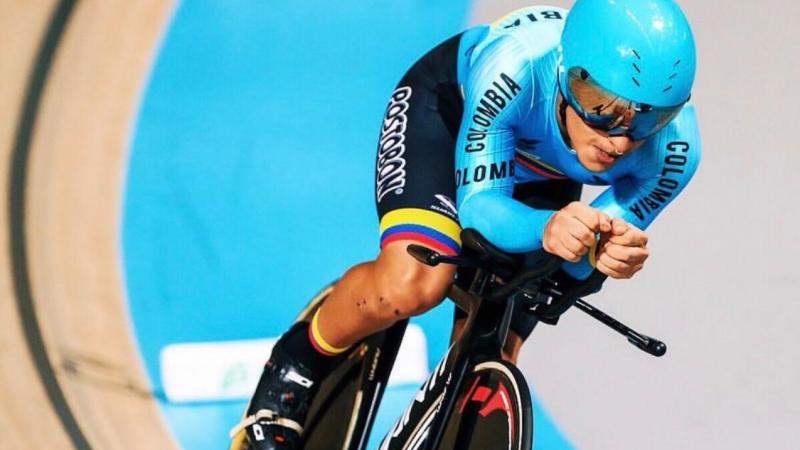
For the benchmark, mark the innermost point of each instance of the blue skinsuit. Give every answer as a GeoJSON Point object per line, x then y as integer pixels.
{"type": "Point", "coordinates": [509, 134]}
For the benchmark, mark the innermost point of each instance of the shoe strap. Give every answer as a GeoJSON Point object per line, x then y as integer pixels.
{"type": "Point", "coordinates": [271, 417]}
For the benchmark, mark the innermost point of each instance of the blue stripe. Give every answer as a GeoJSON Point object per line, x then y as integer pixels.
{"type": "Point", "coordinates": [430, 232]}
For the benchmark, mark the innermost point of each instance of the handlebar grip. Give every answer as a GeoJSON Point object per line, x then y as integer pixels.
{"type": "Point", "coordinates": [647, 344]}
{"type": "Point", "coordinates": [423, 254]}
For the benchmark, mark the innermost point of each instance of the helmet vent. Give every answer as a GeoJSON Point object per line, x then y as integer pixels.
{"type": "Point", "coordinates": [676, 63]}
{"type": "Point", "coordinates": [637, 68]}
{"type": "Point", "coordinates": [637, 54]}
{"type": "Point", "coordinates": [636, 81]}
{"type": "Point", "coordinates": [667, 88]}
{"type": "Point", "coordinates": [673, 75]}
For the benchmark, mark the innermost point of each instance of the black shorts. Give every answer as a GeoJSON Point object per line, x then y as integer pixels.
{"type": "Point", "coordinates": [415, 187]}
{"type": "Point", "coordinates": [415, 166]}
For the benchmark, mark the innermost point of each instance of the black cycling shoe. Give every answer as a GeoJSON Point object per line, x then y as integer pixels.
{"type": "Point", "coordinates": [276, 414]}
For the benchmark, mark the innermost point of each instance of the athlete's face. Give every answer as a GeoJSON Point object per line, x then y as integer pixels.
{"type": "Point", "coordinates": [596, 150]}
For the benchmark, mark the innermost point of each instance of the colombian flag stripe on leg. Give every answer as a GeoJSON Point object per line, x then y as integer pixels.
{"type": "Point", "coordinates": [427, 227]}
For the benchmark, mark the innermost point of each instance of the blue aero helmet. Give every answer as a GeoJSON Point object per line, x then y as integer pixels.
{"type": "Point", "coordinates": [627, 66]}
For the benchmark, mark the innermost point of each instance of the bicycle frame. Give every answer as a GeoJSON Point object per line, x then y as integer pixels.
{"type": "Point", "coordinates": [489, 304]}
{"type": "Point", "coordinates": [481, 341]}
{"type": "Point", "coordinates": [366, 372]}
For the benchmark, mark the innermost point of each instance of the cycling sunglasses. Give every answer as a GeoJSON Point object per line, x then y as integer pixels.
{"type": "Point", "coordinates": [606, 111]}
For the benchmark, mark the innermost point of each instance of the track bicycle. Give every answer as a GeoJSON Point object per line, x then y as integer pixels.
{"type": "Point", "coordinates": [473, 399]}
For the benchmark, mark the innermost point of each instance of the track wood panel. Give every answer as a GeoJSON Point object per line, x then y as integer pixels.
{"type": "Point", "coordinates": [24, 406]}
{"type": "Point", "coordinates": [72, 193]}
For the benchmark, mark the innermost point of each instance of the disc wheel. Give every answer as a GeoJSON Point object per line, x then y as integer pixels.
{"type": "Point", "coordinates": [492, 412]}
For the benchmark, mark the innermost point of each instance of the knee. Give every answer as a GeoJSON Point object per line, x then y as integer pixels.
{"type": "Point", "coordinates": [417, 292]}
{"type": "Point", "coordinates": [410, 291]}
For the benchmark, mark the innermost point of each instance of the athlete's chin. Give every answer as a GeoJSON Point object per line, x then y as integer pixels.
{"type": "Point", "coordinates": [593, 163]}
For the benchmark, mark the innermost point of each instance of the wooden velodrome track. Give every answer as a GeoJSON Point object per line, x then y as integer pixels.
{"type": "Point", "coordinates": [72, 72]}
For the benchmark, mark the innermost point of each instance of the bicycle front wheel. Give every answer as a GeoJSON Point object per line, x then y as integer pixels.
{"type": "Point", "coordinates": [492, 412]}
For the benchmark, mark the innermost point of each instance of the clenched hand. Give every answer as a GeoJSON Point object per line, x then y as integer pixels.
{"type": "Point", "coordinates": [622, 252]}
{"type": "Point", "coordinates": [570, 232]}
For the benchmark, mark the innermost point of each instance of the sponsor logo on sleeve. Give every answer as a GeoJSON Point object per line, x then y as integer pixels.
{"type": "Point", "coordinates": [499, 95]}
{"type": "Point", "coordinates": [446, 206]}
{"type": "Point", "coordinates": [532, 17]}
{"type": "Point", "coordinates": [494, 171]}
{"type": "Point", "coordinates": [674, 165]}
{"type": "Point", "coordinates": [391, 167]}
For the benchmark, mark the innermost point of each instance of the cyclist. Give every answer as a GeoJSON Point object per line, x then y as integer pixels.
{"type": "Point", "coordinates": [532, 106]}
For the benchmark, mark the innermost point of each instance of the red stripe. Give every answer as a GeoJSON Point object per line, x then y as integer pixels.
{"type": "Point", "coordinates": [469, 395]}
{"type": "Point", "coordinates": [547, 174]}
{"type": "Point", "coordinates": [314, 343]}
{"type": "Point", "coordinates": [422, 239]}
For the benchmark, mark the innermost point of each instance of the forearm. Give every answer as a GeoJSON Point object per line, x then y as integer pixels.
{"type": "Point", "coordinates": [513, 226]}
{"type": "Point", "coordinates": [510, 225]}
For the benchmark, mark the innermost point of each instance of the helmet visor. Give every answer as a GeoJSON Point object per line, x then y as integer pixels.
{"type": "Point", "coordinates": [606, 111]}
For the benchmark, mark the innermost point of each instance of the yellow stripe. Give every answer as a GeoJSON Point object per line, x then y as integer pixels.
{"type": "Point", "coordinates": [320, 341]}
{"type": "Point", "coordinates": [593, 253]}
{"type": "Point", "coordinates": [424, 217]}
{"type": "Point", "coordinates": [314, 304]}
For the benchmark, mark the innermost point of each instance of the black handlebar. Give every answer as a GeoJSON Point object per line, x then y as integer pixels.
{"type": "Point", "coordinates": [646, 343]}
{"type": "Point", "coordinates": [432, 258]}
{"type": "Point", "coordinates": [562, 289]}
